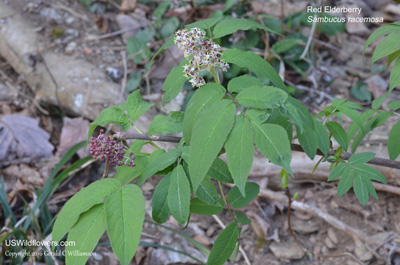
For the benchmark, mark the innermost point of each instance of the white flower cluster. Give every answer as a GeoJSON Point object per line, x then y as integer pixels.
{"type": "Point", "coordinates": [206, 54]}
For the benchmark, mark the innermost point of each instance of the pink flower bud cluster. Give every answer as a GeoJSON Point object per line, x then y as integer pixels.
{"type": "Point", "coordinates": [106, 148]}
{"type": "Point", "coordinates": [206, 54]}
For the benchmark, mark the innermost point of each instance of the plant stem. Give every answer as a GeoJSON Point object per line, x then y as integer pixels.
{"type": "Point", "coordinates": [288, 220]}
{"type": "Point", "coordinates": [150, 142]}
{"type": "Point", "coordinates": [226, 202]}
{"type": "Point", "coordinates": [215, 76]}
{"type": "Point", "coordinates": [295, 147]}
{"type": "Point", "coordinates": [106, 168]}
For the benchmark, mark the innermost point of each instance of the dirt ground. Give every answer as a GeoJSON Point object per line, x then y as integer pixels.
{"type": "Point", "coordinates": [70, 28]}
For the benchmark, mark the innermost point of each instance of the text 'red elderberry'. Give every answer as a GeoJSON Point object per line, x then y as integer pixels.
{"type": "Point", "coordinates": [106, 148]}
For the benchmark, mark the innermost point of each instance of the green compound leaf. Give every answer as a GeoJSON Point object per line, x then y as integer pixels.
{"type": "Point", "coordinates": [273, 142]}
{"type": "Point", "coordinates": [384, 30]}
{"type": "Point", "coordinates": [81, 202]}
{"type": "Point", "coordinates": [179, 195]}
{"type": "Point", "coordinates": [204, 24]}
{"type": "Point", "coordinates": [322, 137]}
{"type": "Point", "coordinates": [209, 134]}
{"type": "Point", "coordinates": [85, 234]}
{"type": "Point", "coordinates": [361, 189]}
{"type": "Point", "coordinates": [353, 115]}
{"type": "Point", "coordinates": [298, 113]}
{"type": "Point", "coordinates": [387, 46]}
{"type": "Point", "coordinates": [199, 207]}
{"type": "Point", "coordinates": [337, 172]}
{"type": "Point", "coordinates": [308, 141]}
{"type": "Point", "coordinates": [238, 84]}
{"type": "Point", "coordinates": [231, 25]}
{"type": "Point", "coordinates": [346, 181]}
{"type": "Point", "coordinates": [394, 105]}
{"type": "Point", "coordinates": [360, 92]}
{"type": "Point", "coordinates": [394, 141]}
{"type": "Point", "coordinates": [370, 173]}
{"type": "Point", "coordinates": [220, 171]}
{"type": "Point", "coordinates": [255, 64]}
{"type": "Point", "coordinates": [240, 151]}
{"type": "Point", "coordinates": [125, 215]}
{"type": "Point", "coordinates": [174, 82]}
{"type": "Point", "coordinates": [285, 45]}
{"type": "Point", "coordinates": [126, 173]}
{"type": "Point", "coordinates": [377, 103]}
{"type": "Point", "coordinates": [339, 134]}
{"type": "Point", "coordinates": [361, 158]}
{"type": "Point", "coordinates": [236, 199]}
{"type": "Point", "coordinates": [371, 189]}
{"type": "Point", "coordinates": [169, 26]}
{"type": "Point", "coordinates": [202, 98]}
{"type": "Point", "coordinates": [264, 97]}
{"type": "Point", "coordinates": [258, 116]}
{"type": "Point", "coordinates": [163, 124]}
{"type": "Point", "coordinates": [166, 45]}
{"type": "Point", "coordinates": [161, 162]}
{"type": "Point", "coordinates": [371, 124]}
{"type": "Point", "coordinates": [395, 76]}
{"type": "Point", "coordinates": [160, 211]}
{"type": "Point", "coordinates": [136, 45]}
{"type": "Point", "coordinates": [109, 115]}
{"type": "Point", "coordinates": [242, 218]}
{"type": "Point", "coordinates": [207, 193]}
{"type": "Point", "coordinates": [136, 106]}
{"type": "Point", "coordinates": [224, 245]}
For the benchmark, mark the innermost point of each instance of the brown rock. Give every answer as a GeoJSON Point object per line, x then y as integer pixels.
{"type": "Point", "coordinates": [362, 252]}
{"type": "Point", "coordinates": [305, 227]}
{"type": "Point", "coordinates": [332, 236]}
{"type": "Point", "coordinates": [329, 243]}
{"type": "Point", "coordinates": [286, 250]}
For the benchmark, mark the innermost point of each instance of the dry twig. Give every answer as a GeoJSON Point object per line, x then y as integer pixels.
{"type": "Point", "coordinates": [125, 76]}
{"type": "Point", "coordinates": [310, 37]}
{"type": "Point", "coordinates": [333, 221]}
{"type": "Point", "coordinates": [71, 11]}
{"type": "Point", "coordinates": [295, 147]}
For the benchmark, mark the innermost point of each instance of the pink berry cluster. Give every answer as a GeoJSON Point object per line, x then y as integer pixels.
{"type": "Point", "coordinates": [106, 148]}
{"type": "Point", "coordinates": [206, 54]}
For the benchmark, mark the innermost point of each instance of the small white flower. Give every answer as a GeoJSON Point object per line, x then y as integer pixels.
{"type": "Point", "coordinates": [206, 54]}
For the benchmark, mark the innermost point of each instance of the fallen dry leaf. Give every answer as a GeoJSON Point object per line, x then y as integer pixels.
{"type": "Point", "coordinates": [21, 136]}
{"type": "Point", "coordinates": [74, 131]}
{"type": "Point", "coordinates": [30, 177]}
{"type": "Point", "coordinates": [393, 8]}
{"type": "Point", "coordinates": [129, 25]}
{"type": "Point", "coordinates": [172, 58]}
{"type": "Point", "coordinates": [17, 188]}
{"type": "Point", "coordinates": [128, 5]}
{"type": "Point", "coordinates": [103, 24]}
{"type": "Point", "coordinates": [376, 85]}
{"type": "Point", "coordinates": [259, 225]}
